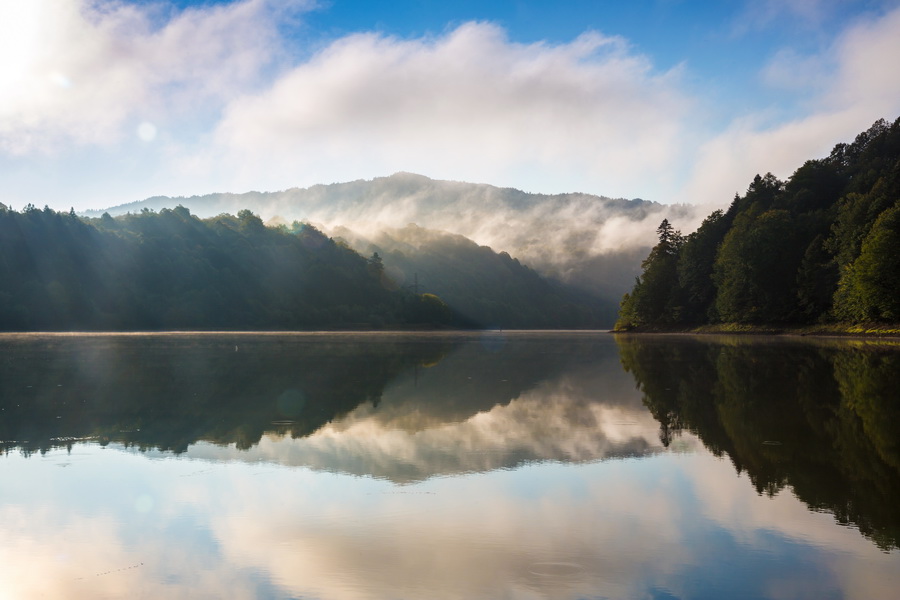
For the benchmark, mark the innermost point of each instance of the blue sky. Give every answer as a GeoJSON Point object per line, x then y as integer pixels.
{"type": "Point", "coordinates": [104, 102]}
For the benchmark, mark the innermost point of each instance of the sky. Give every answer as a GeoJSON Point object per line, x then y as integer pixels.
{"type": "Point", "coordinates": [104, 102]}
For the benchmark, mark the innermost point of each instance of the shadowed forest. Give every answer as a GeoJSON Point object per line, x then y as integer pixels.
{"type": "Point", "coordinates": [172, 270]}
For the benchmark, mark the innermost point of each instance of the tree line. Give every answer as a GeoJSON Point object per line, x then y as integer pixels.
{"type": "Point", "coordinates": [823, 246]}
{"type": "Point", "coordinates": [171, 270]}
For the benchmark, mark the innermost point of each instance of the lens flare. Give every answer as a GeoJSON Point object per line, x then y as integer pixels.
{"type": "Point", "coordinates": [147, 131]}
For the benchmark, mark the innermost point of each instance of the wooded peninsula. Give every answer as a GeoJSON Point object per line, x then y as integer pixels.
{"type": "Point", "coordinates": [821, 248]}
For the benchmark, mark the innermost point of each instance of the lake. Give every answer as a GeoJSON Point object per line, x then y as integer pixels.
{"type": "Point", "coordinates": [494, 465]}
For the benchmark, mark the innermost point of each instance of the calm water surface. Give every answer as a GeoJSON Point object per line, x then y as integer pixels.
{"type": "Point", "coordinates": [404, 466]}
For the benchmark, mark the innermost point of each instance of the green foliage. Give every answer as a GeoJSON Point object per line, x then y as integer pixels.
{"type": "Point", "coordinates": [752, 273]}
{"type": "Point", "coordinates": [869, 289]}
{"type": "Point", "coordinates": [695, 267]}
{"type": "Point", "coordinates": [822, 245]}
{"type": "Point", "coordinates": [652, 300]}
{"type": "Point", "coordinates": [172, 270]}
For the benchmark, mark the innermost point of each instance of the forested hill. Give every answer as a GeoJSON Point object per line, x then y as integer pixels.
{"type": "Point", "coordinates": [483, 285]}
{"type": "Point", "coordinates": [591, 242]}
{"type": "Point", "coordinates": [172, 270]}
{"type": "Point", "coordinates": [822, 246]}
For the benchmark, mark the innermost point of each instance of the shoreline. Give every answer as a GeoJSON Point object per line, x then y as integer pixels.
{"type": "Point", "coordinates": [840, 330]}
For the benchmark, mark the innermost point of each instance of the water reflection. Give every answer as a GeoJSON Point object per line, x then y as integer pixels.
{"type": "Point", "coordinates": [400, 407]}
{"type": "Point", "coordinates": [167, 392]}
{"type": "Point", "coordinates": [821, 418]}
{"type": "Point", "coordinates": [445, 467]}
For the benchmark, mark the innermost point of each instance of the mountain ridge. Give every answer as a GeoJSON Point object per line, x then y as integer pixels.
{"type": "Point", "coordinates": [595, 243]}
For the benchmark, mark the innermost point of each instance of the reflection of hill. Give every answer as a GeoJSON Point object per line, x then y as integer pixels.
{"type": "Point", "coordinates": [401, 407]}
{"type": "Point", "coordinates": [470, 413]}
{"type": "Point", "coordinates": [819, 418]}
{"type": "Point", "coordinates": [168, 391]}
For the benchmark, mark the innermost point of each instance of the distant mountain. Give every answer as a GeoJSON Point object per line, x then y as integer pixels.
{"type": "Point", "coordinates": [593, 242]}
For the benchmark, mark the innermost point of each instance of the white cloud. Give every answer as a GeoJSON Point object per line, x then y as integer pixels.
{"type": "Point", "coordinates": [858, 85]}
{"type": "Point", "coordinates": [78, 72]}
{"type": "Point", "coordinates": [466, 105]}
{"type": "Point", "coordinates": [234, 109]}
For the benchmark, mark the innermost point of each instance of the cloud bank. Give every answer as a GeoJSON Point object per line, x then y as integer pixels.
{"type": "Point", "coordinates": [469, 104]}
{"type": "Point", "coordinates": [844, 90]}
{"type": "Point", "coordinates": [237, 96]}
{"type": "Point", "coordinates": [90, 73]}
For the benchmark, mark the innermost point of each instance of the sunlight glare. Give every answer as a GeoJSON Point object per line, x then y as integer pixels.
{"type": "Point", "coordinates": [19, 33]}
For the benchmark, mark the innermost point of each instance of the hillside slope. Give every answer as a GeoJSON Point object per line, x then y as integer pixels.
{"type": "Point", "coordinates": [593, 242]}
{"type": "Point", "coordinates": [487, 287]}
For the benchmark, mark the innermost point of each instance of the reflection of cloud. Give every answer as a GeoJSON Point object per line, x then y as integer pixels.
{"type": "Point", "coordinates": [409, 438]}
{"type": "Point", "coordinates": [468, 538]}
{"type": "Point", "coordinates": [93, 542]}
{"type": "Point", "coordinates": [620, 529]}
{"type": "Point", "coordinates": [612, 529]}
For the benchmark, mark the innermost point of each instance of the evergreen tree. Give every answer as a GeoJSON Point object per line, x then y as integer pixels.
{"type": "Point", "coordinates": [654, 299]}
{"type": "Point", "coordinates": [822, 245]}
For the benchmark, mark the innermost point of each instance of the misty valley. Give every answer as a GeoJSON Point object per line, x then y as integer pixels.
{"type": "Point", "coordinates": [448, 464]}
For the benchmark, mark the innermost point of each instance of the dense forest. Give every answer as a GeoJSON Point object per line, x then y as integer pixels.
{"type": "Point", "coordinates": [171, 270]}
{"type": "Point", "coordinates": [824, 246]}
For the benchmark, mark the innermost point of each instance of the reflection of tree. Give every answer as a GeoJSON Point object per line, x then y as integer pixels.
{"type": "Point", "coordinates": [819, 418]}
{"type": "Point", "coordinates": [870, 382]}
{"type": "Point", "coordinates": [168, 392]}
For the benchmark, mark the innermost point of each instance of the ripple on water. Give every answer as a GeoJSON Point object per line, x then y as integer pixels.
{"type": "Point", "coordinates": [557, 569]}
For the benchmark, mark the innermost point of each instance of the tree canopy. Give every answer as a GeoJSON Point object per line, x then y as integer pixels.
{"type": "Point", "coordinates": [172, 270]}
{"type": "Point", "coordinates": [821, 246]}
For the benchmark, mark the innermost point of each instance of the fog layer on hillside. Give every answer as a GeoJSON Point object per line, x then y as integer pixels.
{"type": "Point", "coordinates": [591, 241]}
